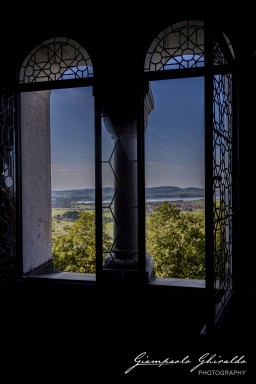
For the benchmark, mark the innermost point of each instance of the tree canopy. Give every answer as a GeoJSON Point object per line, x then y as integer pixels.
{"type": "Point", "coordinates": [74, 249]}
{"type": "Point", "coordinates": [176, 241]}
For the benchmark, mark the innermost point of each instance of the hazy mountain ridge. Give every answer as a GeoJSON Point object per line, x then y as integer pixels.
{"type": "Point", "coordinates": [151, 193]}
{"type": "Point", "coordinates": [171, 191]}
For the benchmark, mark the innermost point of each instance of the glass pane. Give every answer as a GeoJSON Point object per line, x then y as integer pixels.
{"type": "Point", "coordinates": [222, 188]}
{"type": "Point", "coordinates": [73, 180]}
{"type": "Point", "coordinates": [175, 194]}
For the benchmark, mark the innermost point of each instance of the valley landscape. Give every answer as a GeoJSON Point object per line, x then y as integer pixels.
{"type": "Point", "coordinates": [67, 204]}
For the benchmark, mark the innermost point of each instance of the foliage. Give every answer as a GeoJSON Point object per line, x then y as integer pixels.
{"type": "Point", "coordinates": [176, 242]}
{"type": "Point", "coordinates": [74, 215]}
{"type": "Point", "coordinates": [174, 239]}
{"type": "Point", "coordinates": [74, 250]}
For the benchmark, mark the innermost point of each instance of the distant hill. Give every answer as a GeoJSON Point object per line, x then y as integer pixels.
{"type": "Point", "coordinates": [158, 193]}
{"type": "Point", "coordinates": [170, 191]}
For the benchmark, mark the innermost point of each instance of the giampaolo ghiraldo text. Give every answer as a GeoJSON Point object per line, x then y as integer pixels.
{"type": "Point", "coordinates": [204, 362]}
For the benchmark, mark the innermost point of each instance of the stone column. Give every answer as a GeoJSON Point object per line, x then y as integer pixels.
{"type": "Point", "coordinates": [121, 123]}
{"type": "Point", "coordinates": [125, 246]}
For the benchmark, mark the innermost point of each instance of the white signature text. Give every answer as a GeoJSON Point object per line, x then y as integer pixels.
{"type": "Point", "coordinates": [143, 360]}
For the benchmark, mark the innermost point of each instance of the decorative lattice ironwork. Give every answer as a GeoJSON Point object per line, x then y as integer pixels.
{"type": "Point", "coordinates": [7, 189]}
{"type": "Point", "coordinates": [222, 187]}
{"type": "Point", "coordinates": [54, 59]}
{"type": "Point", "coordinates": [218, 56]}
{"type": "Point", "coordinates": [178, 47]}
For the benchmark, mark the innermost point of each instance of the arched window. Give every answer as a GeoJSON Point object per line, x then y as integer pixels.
{"type": "Point", "coordinates": [55, 59]}
{"type": "Point", "coordinates": [191, 157]}
{"type": "Point", "coordinates": [180, 46]}
{"type": "Point", "coordinates": [57, 158]}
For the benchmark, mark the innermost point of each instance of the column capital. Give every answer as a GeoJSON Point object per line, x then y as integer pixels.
{"type": "Point", "coordinates": [120, 113]}
{"type": "Point", "coordinates": [127, 128]}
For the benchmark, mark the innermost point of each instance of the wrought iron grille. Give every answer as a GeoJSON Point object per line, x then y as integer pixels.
{"type": "Point", "coordinates": [54, 59]}
{"type": "Point", "coordinates": [218, 55]}
{"type": "Point", "coordinates": [7, 189]}
{"type": "Point", "coordinates": [222, 176]}
{"type": "Point", "coordinates": [180, 46]}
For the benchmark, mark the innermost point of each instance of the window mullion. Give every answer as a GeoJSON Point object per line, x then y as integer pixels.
{"type": "Point", "coordinates": [141, 186]}
{"type": "Point", "coordinates": [98, 188]}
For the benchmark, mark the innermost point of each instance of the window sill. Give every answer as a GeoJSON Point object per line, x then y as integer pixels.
{"type": "Point", "coordinates": [182, 283]}
{"type": "Point", "coordinates": [91, 278]}
{"type": "Point", "coordinates": [65, 277]}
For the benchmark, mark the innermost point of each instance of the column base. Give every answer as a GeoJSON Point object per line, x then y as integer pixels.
{"type": "Point", "coordinates": [126, 270]}
{"type": "Point", "coordinates": [124, 260]}
{"type": "Point", "coordinates": [150, 268]}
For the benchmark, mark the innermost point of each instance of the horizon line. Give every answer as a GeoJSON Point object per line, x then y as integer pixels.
{"type": "Point", "coordinates": [93, 188]}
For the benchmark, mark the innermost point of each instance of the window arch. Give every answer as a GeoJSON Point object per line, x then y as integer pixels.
{"type": "Point", "coordinates": [58, 58]}
{"type": "Point", "coordinates": [194, 49]}
{"type": "Point", "coordinates": [179, 46]}
{"type": "Point", "coordinates": [56, 147]}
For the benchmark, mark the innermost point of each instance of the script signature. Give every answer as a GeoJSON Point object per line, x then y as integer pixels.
{"type": "Point", "coordinates": [143, 360]}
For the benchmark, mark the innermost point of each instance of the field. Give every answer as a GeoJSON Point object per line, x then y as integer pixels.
{"type": "Point", "coordinates": [198, 210]}
{"type": "Point", "coordinates": [64, 222]}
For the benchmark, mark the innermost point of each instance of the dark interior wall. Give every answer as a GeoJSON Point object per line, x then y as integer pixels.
{"type": "Point", "coordinates": [116, 36]}
{"type": "Point", "coordinates": [63, 319]}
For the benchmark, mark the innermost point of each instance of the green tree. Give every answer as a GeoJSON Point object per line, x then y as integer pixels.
{"type": "Point", "coordinates": [74, 250]}
{"type": "Point", "coordinates": [177, 243]}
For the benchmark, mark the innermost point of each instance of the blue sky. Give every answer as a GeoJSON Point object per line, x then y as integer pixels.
{"type": "Point", "coordinates": [72, 138]}
{"type": "Point", "coordinates": [174, 138]}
